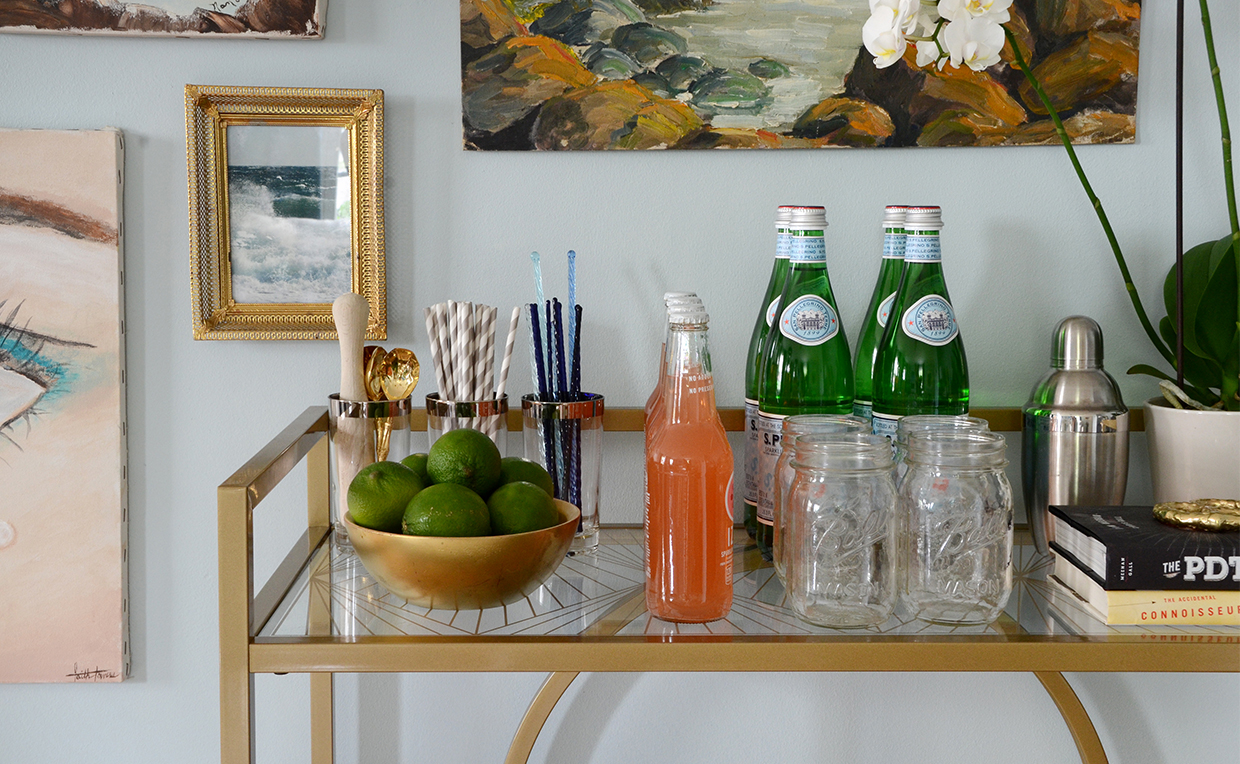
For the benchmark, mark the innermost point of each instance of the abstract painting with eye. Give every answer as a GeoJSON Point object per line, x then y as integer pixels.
{"type": "Point", "coordinates": [63, 449]}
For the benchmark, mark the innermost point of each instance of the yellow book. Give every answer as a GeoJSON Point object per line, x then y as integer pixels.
{"type": "Point", "coordinates": [1148, 607]}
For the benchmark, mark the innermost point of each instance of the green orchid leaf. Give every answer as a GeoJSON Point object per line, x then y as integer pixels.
{"type": "Point", "coordinates": [1150, 371]}
{"type": "Point", "coordinates": [1215, 319]}
{"type": "Point", "coordinates": [1220, 249]}
{"type": "Point", "coordinates": [1200, 374]}
{"type": "Point", "coordinates": [1196, 276]}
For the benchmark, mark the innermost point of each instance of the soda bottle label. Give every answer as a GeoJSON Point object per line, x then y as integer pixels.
{"type": "Point", "coordinates": [782, 238]}
{"type": "Point", "coordinates": [731, 497]}
{"type": "Point", "coordinates": [930, 320]}
{"type": "Point", "coordinates": [884, 310]}
{"type": "Point", "coordinates": [771, 428]}
{"type": "Point", "coordinates": [811, 248]}
{"type": "Point", "coordinates": [752, 437]}
{"type": "Point", "coordinates": [809, 321]}
{"type": "Point", "coordinates": [862, 409]}
{"type": "Point", "coordinates": [771, 310]}
{"type": "Point", "coordinates": [893, 243]}
{"type": "Point", "coordinates": [885, 424]}
{"type": "Point", "coordinates": [922, 247]}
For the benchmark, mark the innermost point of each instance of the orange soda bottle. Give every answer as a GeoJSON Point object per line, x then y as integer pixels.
{"type": "Point", "coordinates": [688, 518]}
{"type": "Point", "coordinates": [675, 301]}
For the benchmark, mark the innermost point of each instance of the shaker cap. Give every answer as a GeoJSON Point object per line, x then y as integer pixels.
{"type": "Point", "coordinates": [1077, 344]}
{"type": "Point", "coordinates": [807, 218]}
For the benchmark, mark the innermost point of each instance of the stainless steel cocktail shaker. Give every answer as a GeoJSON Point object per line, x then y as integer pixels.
{"type": "Point", "coordinates": [1075, 435]}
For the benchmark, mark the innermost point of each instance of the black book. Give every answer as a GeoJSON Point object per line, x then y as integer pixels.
{"type": "Point", "coordinates": [1127, 548]}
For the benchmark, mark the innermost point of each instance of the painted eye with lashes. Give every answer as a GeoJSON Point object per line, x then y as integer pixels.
{"type": "Point", "coordinates": [30, 373]}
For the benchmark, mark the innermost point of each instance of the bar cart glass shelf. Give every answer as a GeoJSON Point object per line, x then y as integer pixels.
{"type": "Point", "coordinates": [322, 612]}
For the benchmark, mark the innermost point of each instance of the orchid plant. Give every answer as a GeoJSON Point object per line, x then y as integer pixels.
{"type": "Point", "coordinates": [972, 33]}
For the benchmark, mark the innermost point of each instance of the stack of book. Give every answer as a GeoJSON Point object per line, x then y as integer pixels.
{"type": "Point", "coordinates": [1129, 568]}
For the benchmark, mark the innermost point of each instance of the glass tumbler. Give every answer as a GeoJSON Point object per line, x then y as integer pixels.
{"type": "Point", "coordinates": [793, 427]}
{"type": "Point", "coordinates": [841, 543]}
{"type": "Point", "coordinates": [566, 438]}
{"type": "Point", "coordinates": [955, 531]}
{"type": "Point", "coordinates": [361, 433]}
{"type": "Point", "coordinates": [487, 415]}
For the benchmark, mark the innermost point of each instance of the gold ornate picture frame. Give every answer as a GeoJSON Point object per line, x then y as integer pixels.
{"type": "Point", "coordinates": [285, 209]}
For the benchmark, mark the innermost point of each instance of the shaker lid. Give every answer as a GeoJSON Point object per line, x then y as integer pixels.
{"type": "Point", "coordinates": [1077, 344]}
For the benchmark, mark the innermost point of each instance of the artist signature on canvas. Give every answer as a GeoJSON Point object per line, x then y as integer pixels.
{"type": "Point", "coordinates": [91, 675]}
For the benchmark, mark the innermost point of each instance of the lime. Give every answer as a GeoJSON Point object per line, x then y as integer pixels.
{"type": "Point", "coordinates": [380, 492]}
{"type": "Point", "coordinates": [465, 457]}
{"type": "Point", "coordinates": [521, 507]}
{"type": "Point", "coordinates": [417, 463]}
{"type": "Point", "coordinates": [514, 468]}
{"type": "Point", "coordinates": [447, 509]}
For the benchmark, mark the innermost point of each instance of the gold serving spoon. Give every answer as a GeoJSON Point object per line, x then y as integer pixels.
{"type": "Point", "coordinates": [398, 374]}
{"type": "Point", "coordinates": [372, 360]}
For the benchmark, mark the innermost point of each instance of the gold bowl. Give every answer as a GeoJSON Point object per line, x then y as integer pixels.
{"type": "Point", "coordinates": [465, 573]}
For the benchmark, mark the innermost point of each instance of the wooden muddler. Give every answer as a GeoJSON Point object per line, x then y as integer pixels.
{"type": "Point", "coordinates": [354, 446]}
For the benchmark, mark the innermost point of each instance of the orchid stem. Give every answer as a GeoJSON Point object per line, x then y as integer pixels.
{"type": "Point", "coordinates": [1159, 345]}
{"type": "Point", "coordinates": [1224, 129]}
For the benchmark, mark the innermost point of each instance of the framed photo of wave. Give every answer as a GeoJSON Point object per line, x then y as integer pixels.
{"type": "Point", "coordinates": [711, 74]}
{"type": "Point", "coordinates": [285, 209]}
{"type": "Point", "coordinates": [292, 19]}
{"type": "Point", "coordinates": [63, 593]}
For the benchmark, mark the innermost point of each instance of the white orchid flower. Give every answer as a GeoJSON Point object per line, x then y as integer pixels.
{"type": "Point", "coordinates": [975, 42]}
{"type": "Point", "coordinates": [883, 37]}
{"type": "Point", "coordinates": [906, 13]}
{"type": "Point", "coordinates": [956, 10]}
{"type": "Point", "coordinates": [928, 53]}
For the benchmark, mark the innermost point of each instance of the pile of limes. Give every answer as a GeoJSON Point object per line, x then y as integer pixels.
{"type": "Point", "coordinates": [461, 487]}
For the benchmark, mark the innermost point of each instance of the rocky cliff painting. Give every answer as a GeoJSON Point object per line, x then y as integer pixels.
{"type": "Point", "coordinates": [63, 611]}
{"type": "Point", "coordinates": [704, 74]}
{"type": "Point", "coordinates": [250, 18]}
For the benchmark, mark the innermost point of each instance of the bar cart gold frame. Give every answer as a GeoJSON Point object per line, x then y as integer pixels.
{"type": "Point", "coordinates": [244, 653]}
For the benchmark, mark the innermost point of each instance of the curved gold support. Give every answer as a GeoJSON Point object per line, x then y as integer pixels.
{"type": "Point", "coordinates": [1075, 716]}
{"type": "Point", "coordinates": [536, 716]}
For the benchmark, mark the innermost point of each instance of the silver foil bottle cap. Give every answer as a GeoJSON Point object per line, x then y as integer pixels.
{"type": "Point", "coordinates": [893, 216]}
{"type": "Point", "coordinates": [1077, 344]}
{"type": "Point", "coordinates": [807, 218]}
{"type": "Point", "coordinates": [923, 218]}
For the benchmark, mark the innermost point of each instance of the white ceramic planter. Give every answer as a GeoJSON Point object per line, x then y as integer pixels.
{"type": "Point", "coordinates": [1193, 454]}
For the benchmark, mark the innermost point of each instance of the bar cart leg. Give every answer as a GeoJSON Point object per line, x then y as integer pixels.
{"type": "Point", "coordinates": [1075, 716]}
{"type": "Point", "coordinates": [321, 718]}
{"type": "Point", "coordinates": [236, 589]}
{"type": "Point", "coordinates": [536, 716]}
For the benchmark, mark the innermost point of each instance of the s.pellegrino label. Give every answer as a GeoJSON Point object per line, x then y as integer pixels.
{"type": "Point", "coordinates": [922, 247]}
{"type": "Point", "coordinates": [885, 425]}
{"type": "Point", "coordinates": [809, 320]}
{"type": "Point", "coordinates": [807, 247]}
{"type": "Point", "coordinates": [883, 314]}
{"type": "Point", "coordinates": [771, 428]}
{"type": "Point", "coordinates": [930, 320]}
{"type": "Point", "coordinates": [752, 436]}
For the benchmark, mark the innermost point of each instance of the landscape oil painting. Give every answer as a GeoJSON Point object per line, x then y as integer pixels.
{"type": "Point", "coordinates": [184, 18]}
{"type": "Point", "coordinates": [706, 74]}
{"type": "Point", "coordinates": [63, 610]}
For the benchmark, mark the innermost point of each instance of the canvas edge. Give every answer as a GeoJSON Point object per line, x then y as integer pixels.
{"type": "Point", "coordinates": [320, 14]}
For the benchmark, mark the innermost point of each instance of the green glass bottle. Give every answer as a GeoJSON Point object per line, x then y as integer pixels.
{"type": "Point", "coordinates": [753, 364]}
{"type": "Point", "coordinates": [806, 364]}
{"type": "Point", "coordinates": [880, 307]}
{"type": "Point", "coordinates": [920, 367]}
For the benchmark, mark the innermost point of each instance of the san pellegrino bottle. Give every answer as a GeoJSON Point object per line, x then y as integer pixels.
{"type": "Point", "coordinates": [753, 364]}
{"type": "Point", "coordinates": [880, 308]}
{"type": "Point", "coordinates": [920, 367]}
{"type": "Point", "coordinates": [806, 364]}
{"type": "Point", "coordinates": [688, 517]}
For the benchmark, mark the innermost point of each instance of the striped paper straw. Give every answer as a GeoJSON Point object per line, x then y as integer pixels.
{"type": "Point", "coordinates": [507, 362]}
{"type": "Point", "coordinates": [432, 335]}
{"type": "Point", "coordinates": [443, 321]}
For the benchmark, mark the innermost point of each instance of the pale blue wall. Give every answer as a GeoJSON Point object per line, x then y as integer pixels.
{"type": "Point", "coordinates": [1021, 251]}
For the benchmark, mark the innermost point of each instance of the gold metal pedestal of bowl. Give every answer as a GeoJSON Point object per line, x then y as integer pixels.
{"type": "Point", "coordinates": [465, 573]}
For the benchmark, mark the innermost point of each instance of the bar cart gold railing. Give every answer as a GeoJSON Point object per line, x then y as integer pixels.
{"type": "Point", "coordinates": [609, 643]}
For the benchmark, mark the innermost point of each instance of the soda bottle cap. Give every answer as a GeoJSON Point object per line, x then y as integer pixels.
{"type": "Point", "coordinates": [808, 218]}
{"type": "Point", "coordinates": [923, 218]}
{"type": "Point", "coordinates": [669, 295]}
{"type": "Point", "coordinates": [691, 315]}
{"type": "Point", "coordinates": [893, 215]}
{"type": "Point", "coordinates": [783, 216]}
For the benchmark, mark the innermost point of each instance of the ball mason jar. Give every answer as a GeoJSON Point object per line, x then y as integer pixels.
{"type": "Point", "coordinates": [955, 527]}
{"type": "Point", "coordinates": [841, 542]}
{"type": "Point", "coordinates": [928, 423]}
{"type": "Point", "coordinates": [794, 427]}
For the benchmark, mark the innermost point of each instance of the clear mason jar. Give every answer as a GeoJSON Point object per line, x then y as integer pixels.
{"type": "Point", "coordinates": [928, 423]}
{"type": "Point", "coordinates": [955, 527]}
{"type": "Point", "coordinates": [841, 533]}
{"type": "Point", "coordinates": [793, 428]}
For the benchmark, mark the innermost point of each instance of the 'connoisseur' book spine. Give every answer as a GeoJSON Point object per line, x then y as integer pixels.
{"type": "Point", "coordinates": [1144, 607]}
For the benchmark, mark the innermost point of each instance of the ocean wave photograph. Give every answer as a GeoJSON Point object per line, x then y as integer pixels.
{"type": "Point", "coordinates": [289, 234]}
